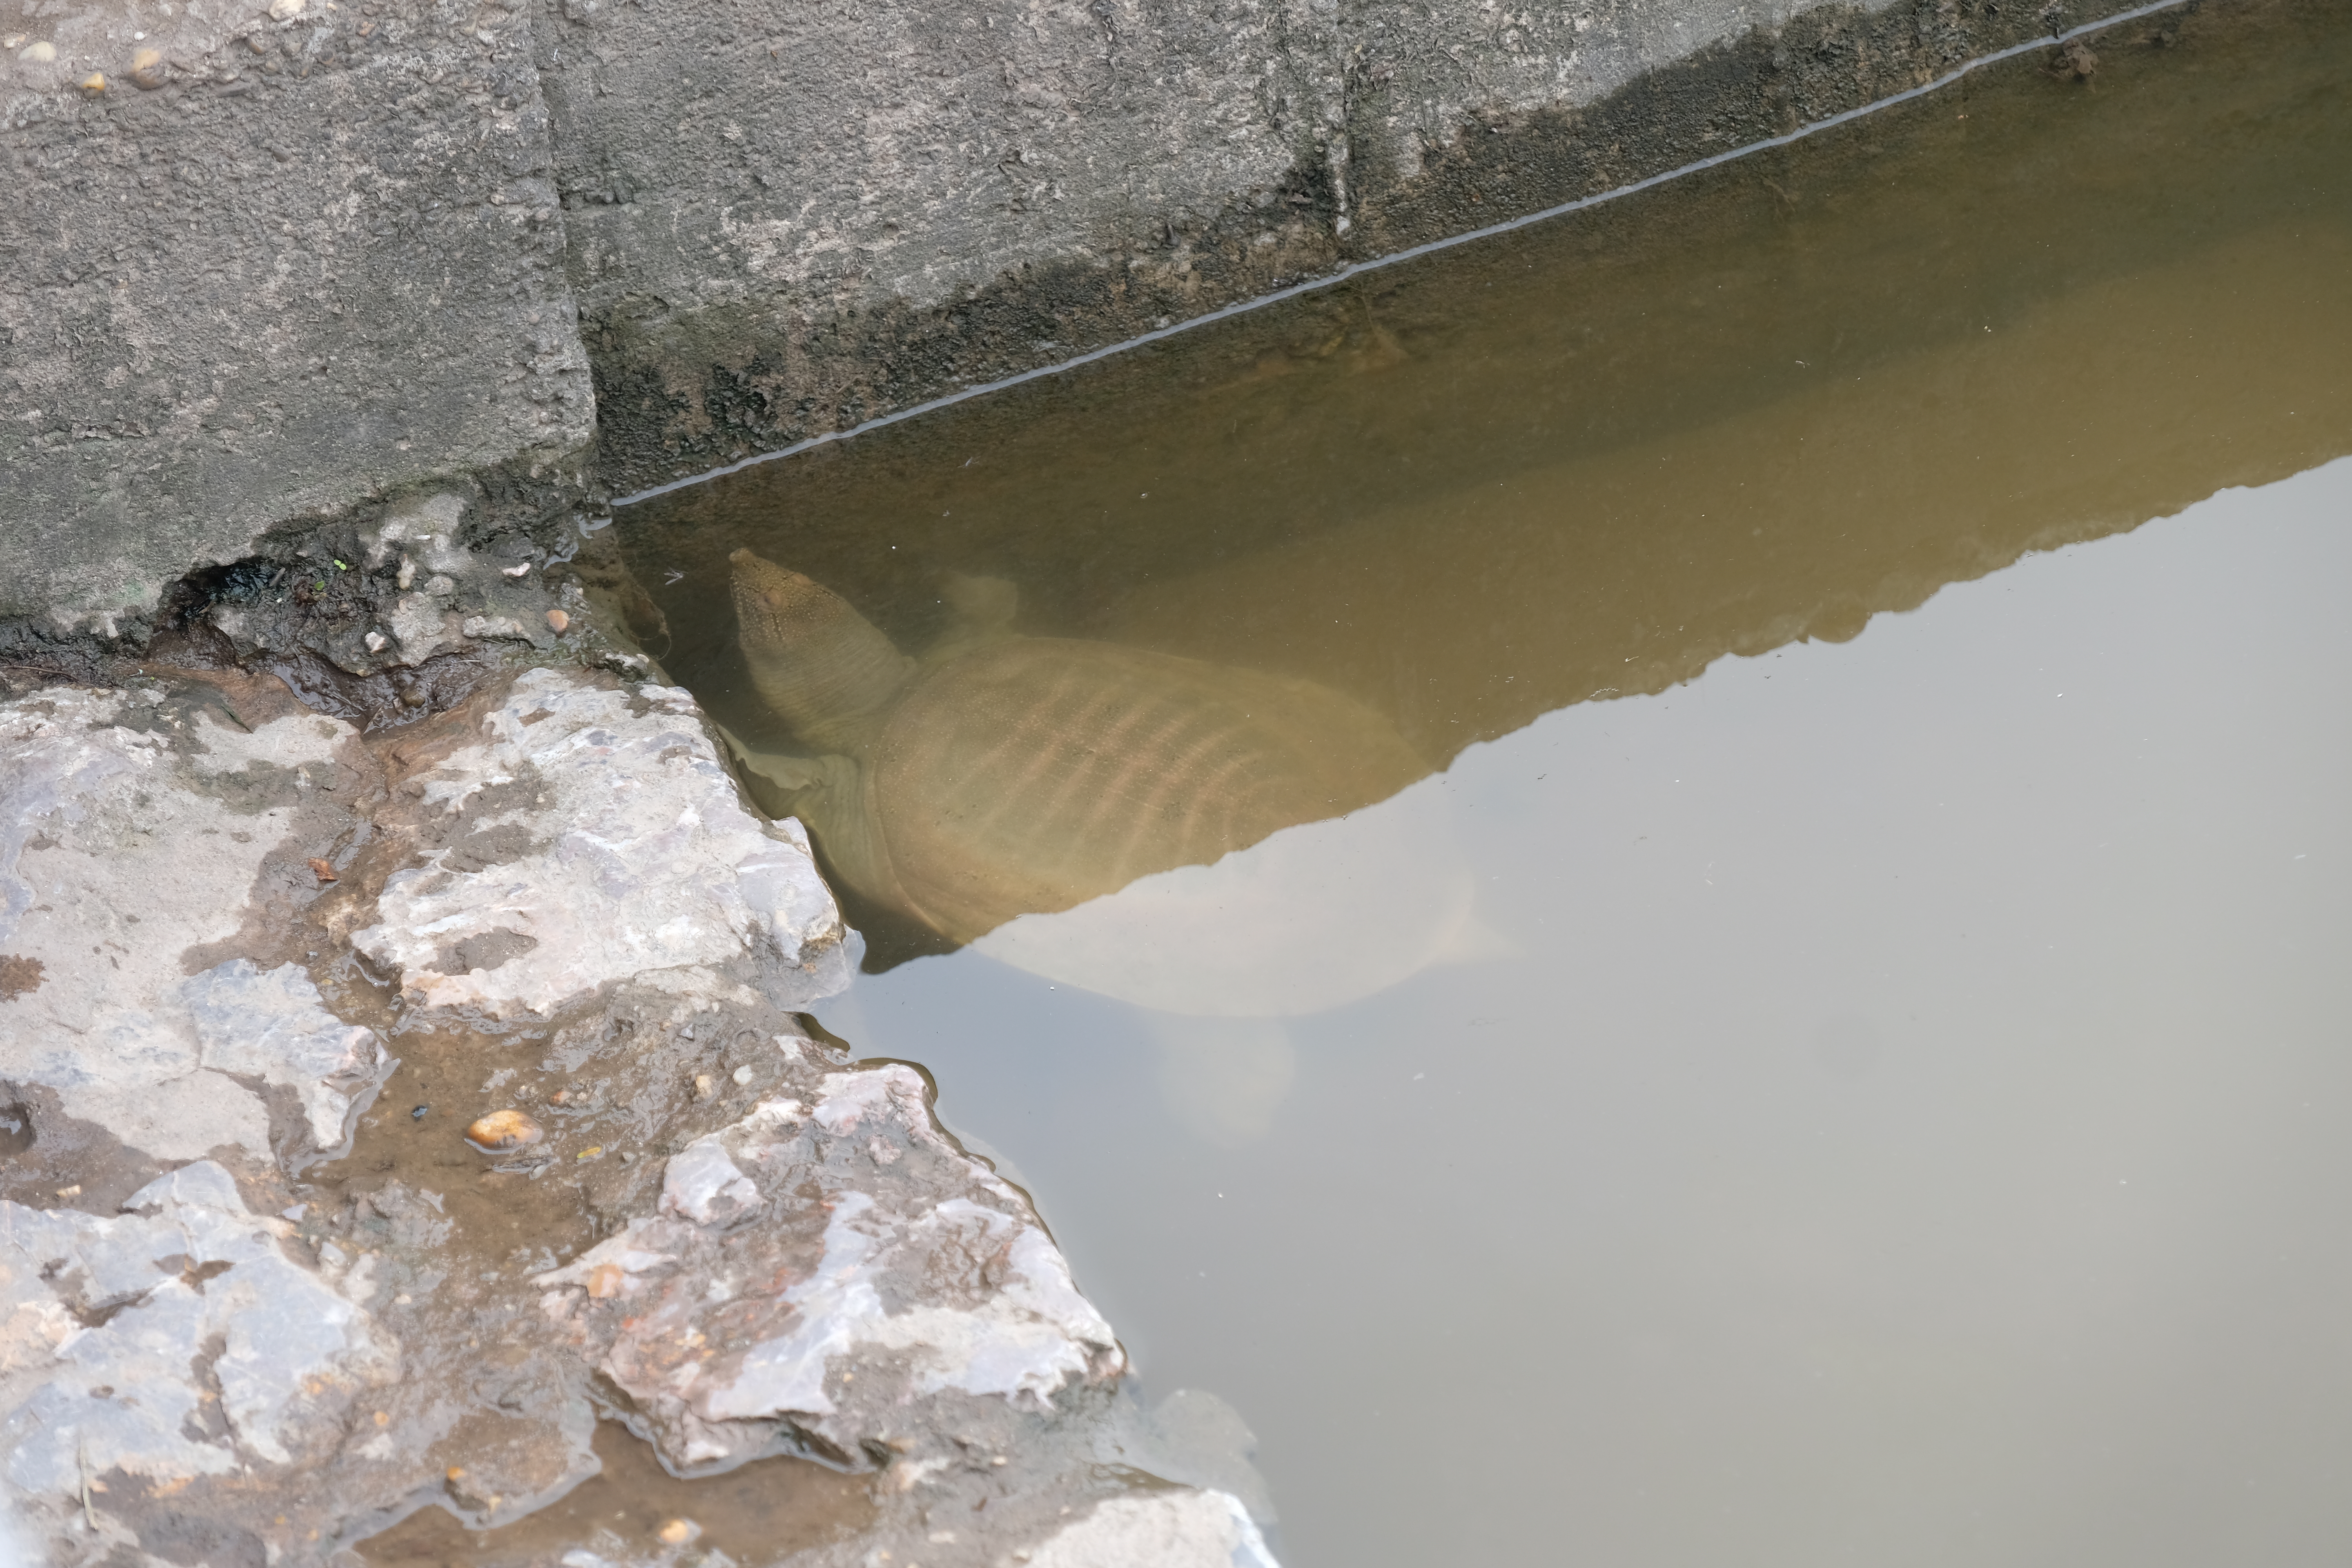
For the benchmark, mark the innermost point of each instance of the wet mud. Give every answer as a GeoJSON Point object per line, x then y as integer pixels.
{"type": "Point", "coordinates": [762, 1513]}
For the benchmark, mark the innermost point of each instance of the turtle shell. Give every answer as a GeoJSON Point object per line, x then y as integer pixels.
{"type": "Point", "coordinates": [1035, 774]}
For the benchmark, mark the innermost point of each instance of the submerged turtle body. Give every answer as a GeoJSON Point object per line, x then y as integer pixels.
{"type": "Point", "coordinates": [1009, 775]}
{"type": "Point", "coordinates": [1034, 775]}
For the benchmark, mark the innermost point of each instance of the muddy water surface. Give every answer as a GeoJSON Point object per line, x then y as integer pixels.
{"type": "Point", "coordinates": [1872, 620]}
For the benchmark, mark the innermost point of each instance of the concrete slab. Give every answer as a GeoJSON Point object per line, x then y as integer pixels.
{"type": "Point", "coordinates": [266, 263]}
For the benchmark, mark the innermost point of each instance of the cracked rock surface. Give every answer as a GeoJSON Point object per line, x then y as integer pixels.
{"type": "Point", "coordinates": [262, 1300]}
{"type": "Point", "coordinates": [140, 824]}
{"type": "Point", "coordinates": [849, 1232]}
{"type": "Point", "coordinates": [591, 834]}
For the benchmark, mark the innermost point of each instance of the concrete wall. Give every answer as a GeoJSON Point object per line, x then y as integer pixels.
{"type": "Point", "coordinates": [295, 261]}
{"type": "Point", "coordinates": [306, 269]}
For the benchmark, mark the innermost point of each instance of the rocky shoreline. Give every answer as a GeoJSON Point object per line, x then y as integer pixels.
{"type": "Point", "coordinates": [265, 1300]}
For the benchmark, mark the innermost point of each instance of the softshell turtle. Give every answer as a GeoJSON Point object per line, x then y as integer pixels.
{"type": "Point", "coordinates": [1004, 776]}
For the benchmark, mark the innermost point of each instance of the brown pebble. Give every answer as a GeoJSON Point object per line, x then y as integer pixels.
{"type": "Point", "coordinates": [147, 69]}
{"type": "Point", "coordinates": [557, 621]}
{"type": "Point", "coordinates": [501, 1130]}
{"type": "Point", "coordinates": [679, 1531]}
{"type": "Point", "coordinates": [93, 84]}
{"type": "Point", "coordinates": [320, 869]}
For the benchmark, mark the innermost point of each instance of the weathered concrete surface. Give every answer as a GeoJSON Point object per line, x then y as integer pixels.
{"type": "Point", "coordinates": [785, 222]}
{"type": "Point", "coordinates": [304, 257]}
{"type": "Point", "coordinates": [258, 1297]}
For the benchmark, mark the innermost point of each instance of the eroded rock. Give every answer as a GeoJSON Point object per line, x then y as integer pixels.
{"type": "Point", "coordinates": [332, 1309]}
{"type": "Point", "coordinates": [830, 1269]}
{"type": "Point", "coordinates": [176, 1341]}
{"type": "Point", "coordinates": [138, 833]}
{"type": "Point", "coordinates": [590, 836]}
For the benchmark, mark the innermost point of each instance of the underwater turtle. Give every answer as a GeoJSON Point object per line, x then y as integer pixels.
{"type": "Point", "coordinates": [1004, 776]}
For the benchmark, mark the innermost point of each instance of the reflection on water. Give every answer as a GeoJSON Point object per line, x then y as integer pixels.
{"type": "Point", "coordinates": [1874, 1099]}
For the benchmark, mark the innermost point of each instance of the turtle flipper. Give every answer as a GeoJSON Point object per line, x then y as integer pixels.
{"type": "Point", "coordinates": [773, 777]}
{"type": "Point", "coordinates": [828, 795]}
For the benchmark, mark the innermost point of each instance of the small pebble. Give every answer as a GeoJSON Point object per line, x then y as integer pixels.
{"type": "Point", "coordinates": [93, 84]}
{"type": "Point", "coordinates": [147, 69]}
{"type": "Point", "coordinates": [408, 573]}
{"type": "Point", "coordinates": [742, 1075]}
{"type": "Point", "coordinates": [679, 1531]}
{"type": "Point", "coordinates": [285, 10]}
{"type": "Point", "coordinates": [418, 1114]}
{"type": "Point", "coordinates": [39, 54]}
{"type": "Point", "coordinates": [558, 622]}
{"type": "Point", "coordinates": [501, 1130]}
{"type": "Point", "coordinates": [703, 1086]}
{"type": "Point", "coordinates": [320, 869]}
{"type": "Point", "coordinates": [376, 641]}
{"type": "Point", "coordinates": [514, 570]}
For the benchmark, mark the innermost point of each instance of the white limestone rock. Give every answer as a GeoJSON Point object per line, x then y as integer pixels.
{"type": "Point", "coordinates": [795, 1248]}
{"type": "Point", "coordinates": [272, 1025]}
{"type": "Point", "coordinates": [626, 852]}
{"type": "Point", "coordinates": [129, 835]}
{"type": "Point", "coordinates": [1173, 1529]}
{"type": "Point", "coordinates": [119, 1338]}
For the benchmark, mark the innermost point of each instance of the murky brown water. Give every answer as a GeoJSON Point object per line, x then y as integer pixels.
{"type": "Point", "coordinates": [1883, 1101]}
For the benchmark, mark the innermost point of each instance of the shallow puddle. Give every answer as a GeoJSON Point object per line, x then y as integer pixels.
{"type": "Point", "coordinates": [1838, 1061]}
{"type": "Point", "coordinates": [633, 1508]}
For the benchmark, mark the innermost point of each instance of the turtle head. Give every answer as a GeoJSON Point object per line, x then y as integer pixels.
{"type": "Point", "coordinates": [820, 665]}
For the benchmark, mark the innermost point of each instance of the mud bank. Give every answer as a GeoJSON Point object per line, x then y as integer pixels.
{"type": "Point", "coordinates": [275, 272]}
